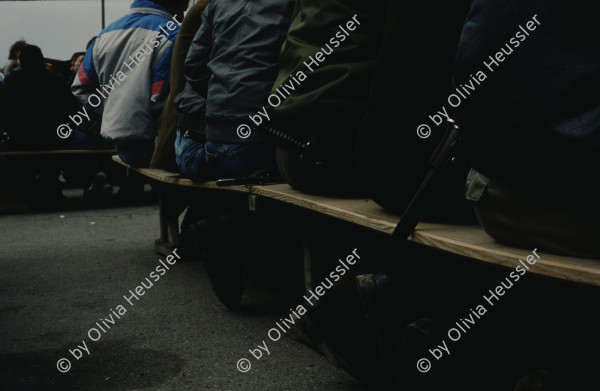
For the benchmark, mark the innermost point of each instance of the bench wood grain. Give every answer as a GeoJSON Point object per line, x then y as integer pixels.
{"type": "Point", "coordinates": [173, 178]}
{"type": "Point", "coordinates": [466, 240]}
{"type": "Point", "coordinates": [60, 152]}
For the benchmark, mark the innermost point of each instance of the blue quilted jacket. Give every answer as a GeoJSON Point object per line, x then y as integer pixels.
{"type": "Point", "coordinates": [125, 73]}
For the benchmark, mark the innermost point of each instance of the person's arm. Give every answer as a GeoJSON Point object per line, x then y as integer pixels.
{"type": "Point", "coordinates": [86, 79]}
{"type": "Point", "coordinates": [160, 83]}
{"type": "Point", "coordinates": [191, 102]}
{"type": "Point", "coordinates": [196, 62]}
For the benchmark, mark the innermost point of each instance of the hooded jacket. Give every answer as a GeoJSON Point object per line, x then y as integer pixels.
{"type": "Point", "coordinates": [125, 73]}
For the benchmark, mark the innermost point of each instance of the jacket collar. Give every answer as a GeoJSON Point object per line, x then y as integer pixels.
{"type": "Point", "coordinates": [148, 7]}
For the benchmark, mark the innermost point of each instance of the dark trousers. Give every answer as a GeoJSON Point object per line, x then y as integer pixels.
{"type": "Point", "coordinates": [529, 218]}
{"type": "Point", "coordinates": [329, 168]}
{"type": "Point", "coordinates": [412, 79]}
{"type": "Point", "coordinates": [137, 155]}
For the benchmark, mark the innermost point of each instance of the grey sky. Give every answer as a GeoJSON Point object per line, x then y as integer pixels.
{"type": "Point", "coordinates": [59, 28]}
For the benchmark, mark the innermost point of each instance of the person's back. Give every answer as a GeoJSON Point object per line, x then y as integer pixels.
{"type": "Point", "coordinates": [540, 101]}
{"type": "Point", "coordinates": [230, 67]}
{"type": "Point", "coordinates": [125, 75]}
{"type": "Point", "coordinates": [534, 121]}
{"type": "Point", "coordinates": [335, 46]}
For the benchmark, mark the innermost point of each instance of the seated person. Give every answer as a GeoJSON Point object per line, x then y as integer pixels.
{"type": "Point", "coordinates": [90, 173]}
{"type": "Point", "coordinates": [125, 76]}
{"type": "Point", "coordinates": [86, 135]}
{"type": "Point", "coordinates": [229, 69]}
{"type": "Point", "coordinates": [229, 73]}
{"type": "Point", "coordinates": [416, 58]}
{"type": "Point", "coordinates": [534, 124]}
{"type": "Point", "coordinates": [331, 102]}
{"type": "Point", "coordinates": [164, 153]}
{"type": "Point", "coordinates": [11, 65]}
{"type": "Point", "coordinates": [76, 60]}
{"type": "Point", "coordinates": [33, 102]}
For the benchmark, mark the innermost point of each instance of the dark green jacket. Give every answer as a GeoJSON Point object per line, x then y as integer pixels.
{"type": "Point", "coordinates": [333, 97]}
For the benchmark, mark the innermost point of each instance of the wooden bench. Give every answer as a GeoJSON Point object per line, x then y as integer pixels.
{"type": "Point", "coordinates": [468, 241]}
{"type": "Point", "coordinates": [57, 152]}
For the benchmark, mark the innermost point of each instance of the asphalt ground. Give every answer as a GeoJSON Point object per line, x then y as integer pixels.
{"type": "Point", "coordinates": [63, 274]}
{"type": "Point", "coordinates": [67, 285]}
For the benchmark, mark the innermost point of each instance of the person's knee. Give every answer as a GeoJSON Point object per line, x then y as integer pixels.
{"type": "Point", "coordinates": [190, 156]}
{"type": "Point", "coordinates": [136, 155]}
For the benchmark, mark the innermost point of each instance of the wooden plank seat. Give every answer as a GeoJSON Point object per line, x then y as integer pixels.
{"type": "Point", "coordinates": [59, 152]}
{"type": "Point", "coordinates": [171, 201]}
{"type": "Point", "coordinates": [466, 240]}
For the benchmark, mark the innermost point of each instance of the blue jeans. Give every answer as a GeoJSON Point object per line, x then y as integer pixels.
{"type": "Point", "coordinates": [138, 155]}
{"type": "Point", "coordinates": [210, 160]}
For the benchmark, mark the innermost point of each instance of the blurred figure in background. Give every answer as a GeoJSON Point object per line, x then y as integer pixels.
{"type": "Point", "coordinates": [76, 60]}
{"type": "Point", "coordinates": [33, 102]}
{"type": "Point", "coordinates": [11, 65]}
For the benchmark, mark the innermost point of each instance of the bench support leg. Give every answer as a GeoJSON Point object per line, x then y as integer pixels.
{"type": "Point", "coordinates": [308, 284]}
{"type": "Point", "coordinates": [170, 205]}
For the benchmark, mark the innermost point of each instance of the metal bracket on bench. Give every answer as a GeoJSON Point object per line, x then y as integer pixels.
{"type": "Point", "coordinates": [171, 205]}
{"type": "Point", "coordinates": [252, 202]}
